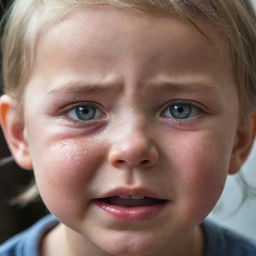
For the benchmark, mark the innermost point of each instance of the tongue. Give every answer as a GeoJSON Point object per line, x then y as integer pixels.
{"type": "Point", "coordinates": [132, 202]}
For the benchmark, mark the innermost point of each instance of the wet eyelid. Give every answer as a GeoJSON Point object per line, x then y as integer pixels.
{"type": "Point", "coordinates": [72, 107]}
{"type": "Point", "coordinates": [192, 103]}
{"type": "Point", "coordinates": [196, 105]}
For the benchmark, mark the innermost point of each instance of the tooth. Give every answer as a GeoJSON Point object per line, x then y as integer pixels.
{"type": "Point", "coordinates": [137, 197]}
{"type": "Point", "coordinates": [124, 196]}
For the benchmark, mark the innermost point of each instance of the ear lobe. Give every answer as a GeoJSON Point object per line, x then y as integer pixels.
{"type": "Point", "coordinates": [13, 130]}
{"type": "Point", "coordinates": [243, 144]}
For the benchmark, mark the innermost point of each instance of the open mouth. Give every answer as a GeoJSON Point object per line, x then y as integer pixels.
{"type": "Point", "coordinates": [131, 208]}
{"type": "Point", "coordinates": [132, 201]}
{"type": "Point", "coordinates": [131, 204]}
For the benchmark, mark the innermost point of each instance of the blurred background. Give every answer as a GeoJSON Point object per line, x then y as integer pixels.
{"type": "Point", "coordinates": [229, 211]}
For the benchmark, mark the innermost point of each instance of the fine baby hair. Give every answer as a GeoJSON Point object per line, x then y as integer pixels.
{"type": "Point", "coordinates": [131, 115]}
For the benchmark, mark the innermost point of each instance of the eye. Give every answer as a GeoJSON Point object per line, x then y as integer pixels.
{"type": "Point", "coordinates": [84, 112]}
{"type": "Point", "coordinates": [180, 111]}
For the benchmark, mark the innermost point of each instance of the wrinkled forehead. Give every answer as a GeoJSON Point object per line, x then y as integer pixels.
{"type": "Point", "coordinates": [53, 12]}
{"type": "Point", "coordinates": [48, 13]}
{"type": "Point", "coordinates": [71, 38]}
{"type": "Point", "coordinates": [92, 41]}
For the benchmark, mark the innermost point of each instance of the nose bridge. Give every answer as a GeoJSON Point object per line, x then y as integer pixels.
{"type": "Point", "coordinates": [133, 145]}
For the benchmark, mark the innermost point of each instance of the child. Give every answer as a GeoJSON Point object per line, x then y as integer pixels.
{"type": "Point", "coordinates": [131, 114]}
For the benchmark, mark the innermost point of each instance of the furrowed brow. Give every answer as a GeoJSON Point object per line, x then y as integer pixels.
{"type": "Point", "coordinates": [78, 88]}
{"type": "Point", "coordinates": [186, 86]}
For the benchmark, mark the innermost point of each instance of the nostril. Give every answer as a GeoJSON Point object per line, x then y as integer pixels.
{"type": "Point", "coordinates": [120, 162]}
{"type": "Point", "coordinates": [145, 162]}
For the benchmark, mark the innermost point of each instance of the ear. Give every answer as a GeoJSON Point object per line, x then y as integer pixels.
{"type": "Point", "coordinates": [14, 132]}
{"type": "Point", "coordinates": [243, 144]}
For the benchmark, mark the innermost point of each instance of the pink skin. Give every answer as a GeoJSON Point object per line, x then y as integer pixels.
{"type": "Point", "coordinates": [137, 68]}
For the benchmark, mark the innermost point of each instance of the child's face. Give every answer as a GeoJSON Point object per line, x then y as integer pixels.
{"type": "Point", "coordinates": [120, 104]}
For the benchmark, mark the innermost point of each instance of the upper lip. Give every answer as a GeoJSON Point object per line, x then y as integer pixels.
{"type": "Point", "coordinates": [139, 191]}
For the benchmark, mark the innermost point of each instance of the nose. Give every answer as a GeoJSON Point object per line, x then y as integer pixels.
{"type": "Point", "coordinates": [134, 149]}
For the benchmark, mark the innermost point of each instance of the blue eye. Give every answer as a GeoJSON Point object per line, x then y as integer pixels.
{"type": "Point", "coordinates": [84, 113]}
{"type": "Point", "coordinates": [181, 111]}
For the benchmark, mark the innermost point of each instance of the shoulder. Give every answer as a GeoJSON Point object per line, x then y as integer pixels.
{"type": "Point", "coordinates": [27, 242]}
{"type": "Point", "coordinates": [224, 242]}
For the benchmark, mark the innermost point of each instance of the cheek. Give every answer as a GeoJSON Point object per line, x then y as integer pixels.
{"type": "Point", "coordinates": [200, 164]}
{"type": "Point", "coordinates": [64, 172]}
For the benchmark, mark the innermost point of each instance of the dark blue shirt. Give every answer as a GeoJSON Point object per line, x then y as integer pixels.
{"type": "Point", "coordinates": [218, 240]}
{"type": "Point", "coordinates": [224, 242]}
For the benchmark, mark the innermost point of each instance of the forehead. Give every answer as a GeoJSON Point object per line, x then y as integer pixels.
{"type": "Point", "coordinates": [103, 42]}
{"type": "Point", "coordinates": [100, 25]}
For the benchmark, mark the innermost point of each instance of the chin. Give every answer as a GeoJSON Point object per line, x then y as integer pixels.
{"type": "Point", "coordinates": [125, 250]}
{"type": "Point", "coordinates": [132, 245]}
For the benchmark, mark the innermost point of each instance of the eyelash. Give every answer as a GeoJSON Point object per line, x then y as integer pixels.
{"type": "Point", "coordinates": [167, 112]}
{"type": "Point", "coordinates": [192, 108]}
{"type": "Point", "coordinates": [73, 112]}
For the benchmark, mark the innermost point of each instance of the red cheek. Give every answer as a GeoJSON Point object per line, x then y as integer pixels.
{"type": "Point", "coordinates": [71, 162]}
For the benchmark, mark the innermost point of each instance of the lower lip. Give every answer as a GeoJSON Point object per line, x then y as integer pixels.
{"type": "Point", "coordinates": [139, 213]}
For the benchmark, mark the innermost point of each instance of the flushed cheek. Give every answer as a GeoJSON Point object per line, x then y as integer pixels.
{"type": "Point", "coordinates": [200, 174]}
{"type": "Point", "coordinates": [64, 173]}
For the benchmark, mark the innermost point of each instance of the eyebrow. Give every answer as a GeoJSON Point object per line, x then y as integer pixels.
{"type": "Point", "coordinates": [193, 85]}
{"type": "Point", "coordinates": [78, 88]}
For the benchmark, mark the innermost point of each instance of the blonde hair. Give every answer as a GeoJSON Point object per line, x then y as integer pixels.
{"type": "Point", "coordinates": [27, 20]}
